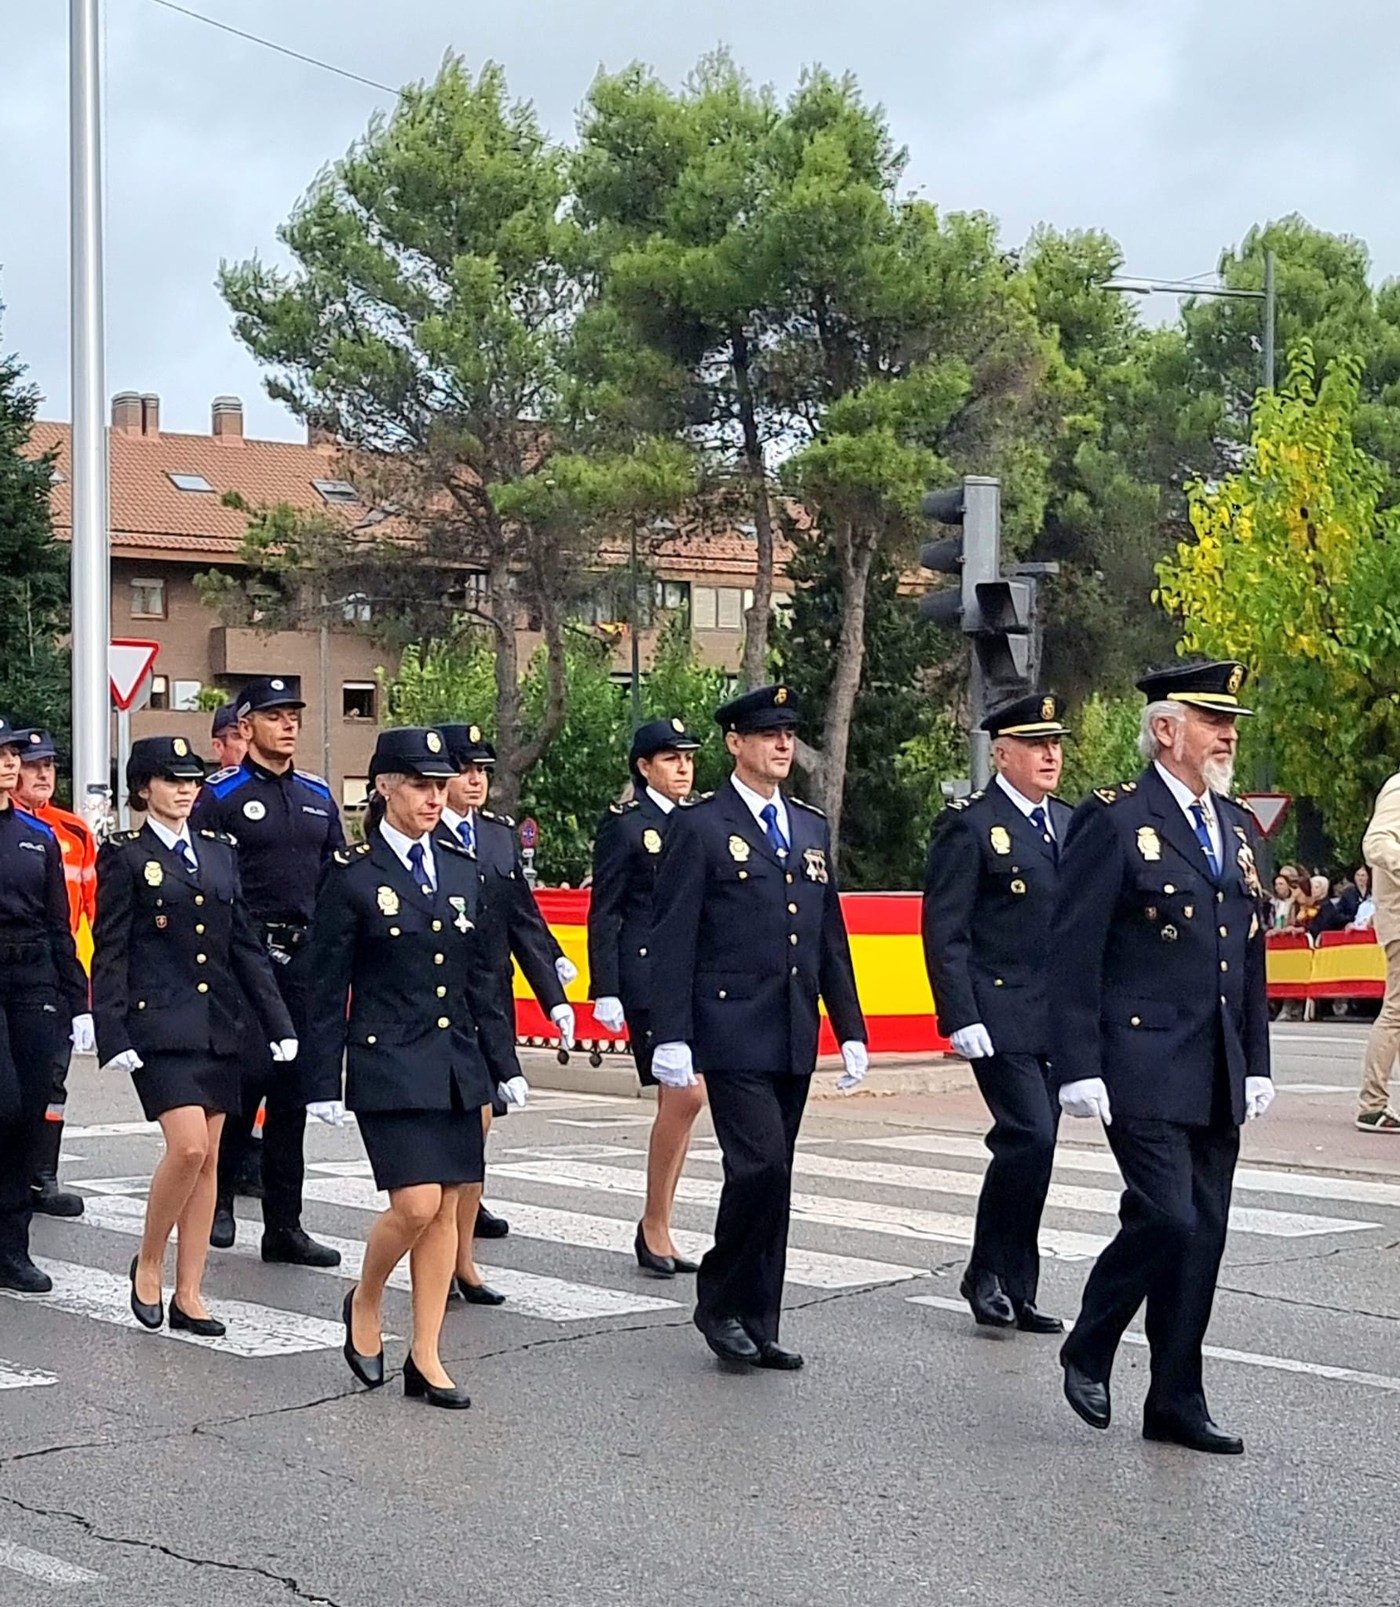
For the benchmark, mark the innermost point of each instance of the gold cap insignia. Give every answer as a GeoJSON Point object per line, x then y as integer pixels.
{"type": "Point", "coordinates": [434, 742]}
{"type": "Point", "coordinates": [781, 695]}
{"type": "Point", "coordinates": [1149, 843]}
{"type": "Point", "coordinates": [678, 726]}
{"type": "Point", "coordinates": [1047, 708]}
{"type": "Point", "coordinates": [473, 733]}
{"type": "Point", "coordinates": [738, 849]}
{"type": "Point", "coordinates": [153, 873]}
{"type": "Point", "coordinates": [1001, 840]}
{"type": "Point", "coordinates": [1236, 680]}
{"type": "Point", "coordinates": [651, 840]}
{"type": "Point", "coordinates": [181, 747]}
{"type": "Point", "coordinates": [388, 901]}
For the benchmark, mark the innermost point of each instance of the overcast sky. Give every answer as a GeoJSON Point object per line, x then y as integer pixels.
{"type": "Point", "coordinates": [1174, 124]}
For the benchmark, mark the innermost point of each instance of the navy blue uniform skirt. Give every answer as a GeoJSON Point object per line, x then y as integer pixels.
{"type": "Point", "coordinates": [409, 1147]}
{"type": "Point", "coordinates": [173, 1078]}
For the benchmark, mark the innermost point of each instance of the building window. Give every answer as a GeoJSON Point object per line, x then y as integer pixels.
{"type": "Point", "coordinates": [672, 595]}
{"type": "Point", "coordinates": [357, 700]}
{"type": "Point", "coordinates": [356, 609]}
{"type": "Point", "coordinates": [703, 607]}
{"type": "Point", "coordinates": [189, 482]}
{"type": "Point", "coordinates": [148, 599]}
{"type": "Point", "coordinates": [336, 491]}
{"type": "Point", "coordinates": [160, 693]}
{"type": "Point", "coordinates": [185, 696]}
{"type": "Point", "coordinates": [354, 794]}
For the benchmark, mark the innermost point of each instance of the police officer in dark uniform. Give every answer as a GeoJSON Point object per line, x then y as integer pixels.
{"type": "Point", "coordinates": [748, 936]}
{"type": "Point", "coordinates": [181, 982]}
{"type": "Point", "coordinates": [43, 1001]}
{"type": "Point", "coordinates": [287, 826]}
{"type": "Point", "coordinates": [1157, 974]}
{"type": "Point", "coordinates": [626, 853]}
{"type": "Point", "coordinates": [513, 928]}
{"type": "Point", "coordinates": [989, 896]}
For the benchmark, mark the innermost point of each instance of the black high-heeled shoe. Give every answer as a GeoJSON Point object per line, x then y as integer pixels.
{"type": "Point", "coordinates": [368, 1369]}
{"type": "Point", "coordinates": [148, 1315]}
{"type": "Point", "coordinates": [478, 1294]}
{"type": "Point", "coordinates": [657, 1266]}
{"type": "Point", "coordinates": [205, 1327]}
{"type": "Point", "coordinates": [416, 1387]}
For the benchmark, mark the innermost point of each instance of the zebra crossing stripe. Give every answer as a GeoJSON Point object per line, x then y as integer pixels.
{"type": "Point", "coordinates": [13, 1376]}
{"type": "Point", "coordinates": [529, 1294]}
{"type": "Point", "coordinates": [809, 1269]}
{"type": "Point", "coordinates": [39, 1565]}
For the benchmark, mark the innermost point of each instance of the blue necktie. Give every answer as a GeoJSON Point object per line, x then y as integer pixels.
{"type": "Point", "coordinates": [419, 869]}
{"type": "Point", "coordinates": [776, 841]}
{"type": "Point", "coordinates": [467, 832]}
{"type": "Point", "coordinates": [182, 848]}
{"type": "Point", "coordinates": [1198, 814]}
{"type": "Point", "coordinates": [1041, 821]}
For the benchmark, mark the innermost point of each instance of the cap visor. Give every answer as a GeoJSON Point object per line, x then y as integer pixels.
{"type": "Point", "coordinates": [1209, 702]}
{"type": "Point", "coordinates": [438, 769]}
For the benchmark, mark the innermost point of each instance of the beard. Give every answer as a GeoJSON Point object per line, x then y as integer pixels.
{"type": "Point", "coordinates": [1219, 775]}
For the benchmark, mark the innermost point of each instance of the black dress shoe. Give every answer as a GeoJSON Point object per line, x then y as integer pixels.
{"type": "Point", "coordinates": [991, 1305]}
{"type": "Point", "coordinates": [224, 1229]}
{"type": "Point", "coordinates": [489, 1225]}
{"type": "Point", "coordinates": [771, 1354]}
{"type": "Point", "coordinates": [478, 1294]}
{"type": "Point", "coordinates": [1197, 1435]}
{"type": "Point", "coordinates": [726, 1337]}
{"type": "Point", "coordinates": [149, 1316]}
{"type": "Point", "coordinates": [48, 1199]}
{"type": "Point", "coordinates": [680, 1263]}
{"type": "Point", "coordinates": [1088, 1396]}
{"type": "Point", "coordinates": [297, 1248]}
{"type": "Point", "coordinates": [206, 1327]}
{"type": "Point", "coordinates": [1031, 1321]}
{"type": "Point", "coordinates": [368, 1369]}
{"type": "Point", "coordinates": [655, 1266]}
{"type": "Point", "coordinates": [416, 1387]}
{"type": "Point", "coordinates": [18, 1272]}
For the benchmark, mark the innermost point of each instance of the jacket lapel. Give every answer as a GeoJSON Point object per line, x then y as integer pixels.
{"type": "Point", "coordinates": [458, 878]}
{"type": "Point", "coordinates": [176, 879]}
{"type": "Point", "coordinates": [1175, 829]}
{"type": "Point", "coordinates": [395, 873]}
{"type": "Point", "coordinates": [1023, 834]}
{"type": "Point", "coordinates": [740, 817]}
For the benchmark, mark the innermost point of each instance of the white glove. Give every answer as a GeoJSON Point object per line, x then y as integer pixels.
{"type": "Point", "coordinates": [673, 1066]}
{"type": "Point", "coordinates": [330, 1111]}
{"type": "Point", "coordinates": [127, 1060]}
{"type": "Point", "coordinates": [83, 1035]}
{"type": "Point", "coordinates": [1258, 1096]}
{"type": "Point", "coordinates": [284, 1049]}
{"type": "Point", "coordinates": [607, 1011]}
{"type": "Point", "coordinates": [857, 1061]}
{"type": "Point", "coordinates": [565, 970]}
{"type": "Point", "coordinates": [973, 1043]}
{"type": "Point", "coordinates": [562, 1015]}
{"type": "Point", "coordinates": [513, 1092]}
{"type": "Point", "coordinates": [1087, 1097]}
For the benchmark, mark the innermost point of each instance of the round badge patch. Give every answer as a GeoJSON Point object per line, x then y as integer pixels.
{"type": "Point", "coordinates": [254, 809]}
{"type": "Point", "coordinates": [278, 686]}
{"type": "Point", "coordinates": [181, 747]}
{"type": "Point", "coordinates": [434, 742]}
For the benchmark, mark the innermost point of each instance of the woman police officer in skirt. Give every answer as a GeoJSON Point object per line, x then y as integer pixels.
{"type": "Point", "coordinates": [175, 957]}
{"type": "Point", "coordinates": [43, 999]}
{"type": "Point", "coordinates": [425, 1037]}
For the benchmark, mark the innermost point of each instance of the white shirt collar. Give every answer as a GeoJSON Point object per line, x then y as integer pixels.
{"type": "Point", "coordinates": [664, 804]}
{"type": "Point", "coordinates": [756, 804]}
{"type": "Point", "coordinates": [1022, 802]}
{"type": "Point", "coordinates": [1183, 794]}
{"type": "Point", "coordinates": [452, 820]}
{"type": "Point", "coordinates": [401, 845]}
{"type": "Point", "coordinates": [171, 838]}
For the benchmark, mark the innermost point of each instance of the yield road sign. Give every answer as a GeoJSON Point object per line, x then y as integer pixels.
{"type": "Point", "coordinates": [1269, 809]}
{"type": "Point", "coordinates": [128, 665]}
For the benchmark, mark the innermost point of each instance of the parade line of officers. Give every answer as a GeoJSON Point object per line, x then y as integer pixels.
{"type": "Point", "coordinates": [1107, 962]}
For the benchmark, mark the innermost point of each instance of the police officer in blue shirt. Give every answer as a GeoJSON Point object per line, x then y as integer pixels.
{"type": "Point", "coordinates": [287, 827]}
{"type": "Point", "coordinates": [1161, 1031]}
{"type": "Point", "coordinates": [43, 1002]}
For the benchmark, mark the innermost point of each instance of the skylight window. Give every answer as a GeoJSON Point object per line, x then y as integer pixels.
{"type": "Point", "coordinates": [336, 491]}
{"type": "Point", "coordinates": [189, 482]}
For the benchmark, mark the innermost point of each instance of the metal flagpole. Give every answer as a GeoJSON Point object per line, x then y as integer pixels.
{"type": "Point", "coordinates": [91, 578]}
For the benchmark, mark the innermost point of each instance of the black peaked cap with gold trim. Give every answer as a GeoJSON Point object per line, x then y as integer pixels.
{"type": "Point", "coordinates": [1031, 718]}
{"type": "Point", "coordinates": [171, 757]}
{"type": "Point", "coordinates": [467, 746]}
{"type": "Point", "coordinates": [766, 708]}
{"type": "Point", "coordinates": [1213, 687]}
{"type": "Point", "coordinates": [411, 750]}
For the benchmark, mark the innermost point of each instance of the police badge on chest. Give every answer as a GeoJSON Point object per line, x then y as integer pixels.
{"type": "Point", "coordinates": [814, 865]}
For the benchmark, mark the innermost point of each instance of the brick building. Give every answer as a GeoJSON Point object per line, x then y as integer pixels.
{"type": "Point", "coordinates": [169, 522]}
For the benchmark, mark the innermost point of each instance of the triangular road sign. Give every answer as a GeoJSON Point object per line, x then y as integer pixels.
{"type": "Point", "coordinates": [1269, 809]}
{"type": "Point", "coordinates": [128, 665]}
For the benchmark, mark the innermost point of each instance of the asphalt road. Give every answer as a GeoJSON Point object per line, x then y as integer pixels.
{"type": "Point", "coordinates": [606, 1458]}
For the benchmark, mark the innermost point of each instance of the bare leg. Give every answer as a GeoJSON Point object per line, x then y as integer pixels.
{"type": "Point", "coordinates": [186, 1130]}
{"type": "Point", "coordinates": [676, 1110]}
{"type": "Point", "coordinates": [192, 1247]}
{"type": "Point", "coordinates": [468, 1200]}
{"type": "Point", "coordinates": [430, 1267]}
{"type": "Point", "coordinates": [391, 1236]}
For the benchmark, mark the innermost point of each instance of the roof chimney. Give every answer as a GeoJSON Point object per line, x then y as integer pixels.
{"type": "Point", "coordinates": [126, 412]}
{"type": "Point", "coordinates": [150, 414]}
{"type": "Point", "coordinates": [228, 418]}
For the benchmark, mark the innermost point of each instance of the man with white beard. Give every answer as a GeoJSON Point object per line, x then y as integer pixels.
{"type": "Point", "coordinates": [1161, 1031]}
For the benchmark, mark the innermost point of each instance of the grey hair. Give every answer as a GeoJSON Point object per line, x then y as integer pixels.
{"type": "Point", "coordinates": [1148, 745]}
{"type": "Point", "coordinates": [395, 778]}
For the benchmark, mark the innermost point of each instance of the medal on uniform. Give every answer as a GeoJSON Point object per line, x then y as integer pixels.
{"type": "Point", "coordinates": [153, 873]}
{"type": "Point", "coordinates": [1149, 843]}
{"type": "Point", "coordinates": [460, 905]}
{"type": "Point", "coordinates": [162, 921]}
{"type": "Point", "coordinates": [1001, 840]}
{"type": "Point", "coordinates": [1018, 886]}
{"type": "Point", "coordinates": [814, 865]}
{"type": "Point", "coordinates": [1250, 871]}
{"type": "Point", "coordinates": [651, 840]}
{"type": "Point", "coordinates": [1254, 926]}
{"type": "Point", "coordinates": [738, 849]}
{"type": "Point", "coordinates": [388, 901]}
{"type": "Point", "coordinates": [1169, 934]}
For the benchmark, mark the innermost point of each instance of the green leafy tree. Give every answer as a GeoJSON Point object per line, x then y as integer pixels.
{"type": "Point", "coordinates": [679, 684]}
{"type": "Point", "coordinates": [1103, 749]}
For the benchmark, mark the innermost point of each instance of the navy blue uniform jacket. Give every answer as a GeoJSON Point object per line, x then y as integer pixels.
{"type": "Point", "coordinates": [626, 856]}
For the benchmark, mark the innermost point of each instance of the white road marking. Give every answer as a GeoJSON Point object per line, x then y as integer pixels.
{"type": "Point", "coordinates": [529, 1295]}
{"type": "Point", "coordinates": [253, 1330]}
{"type": "Point", "coordinates": [601, 1121]}
{"type": "Point", "coordinates": [865, 1216]}
{"type": "Point", "coordinates": [38, 1565]}
{"type": "Point", "coordinates": [1245, 1358]}
{"type": "Point", "coordinates": [1316, 1088]}
{"type": "Point", "coordinates": [111, 1185]}
{"type": "Point", "coordinates": [13, 1376]}
{"type": "Point", "coordinates": [1253, 1180]}
{"type": "Point", "coordinates": [115, 1130]}
{"type": "Point", "coordinates": [810, 1269]}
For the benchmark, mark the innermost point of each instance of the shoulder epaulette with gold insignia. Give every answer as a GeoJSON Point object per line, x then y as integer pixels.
{"type": "Point", "coordinates": [504, 820]}
{"type": "Point", "coordinates": [125, 836]}
{"type": "Point", "coordinates": [1242, 803]}
{"type": "Point", "coordinates": [221, 837]}
{"type": "Point", "coordinates": [811, 808]}
{"type": "Point", "coordinates": [1108, 795]}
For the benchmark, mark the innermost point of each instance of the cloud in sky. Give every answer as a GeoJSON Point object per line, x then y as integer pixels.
{"type": "Point", "coordinates": [1175, 125]}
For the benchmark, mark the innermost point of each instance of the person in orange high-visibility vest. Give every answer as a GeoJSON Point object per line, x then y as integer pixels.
{"type": "Point", "coordinates": [34, 795]}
